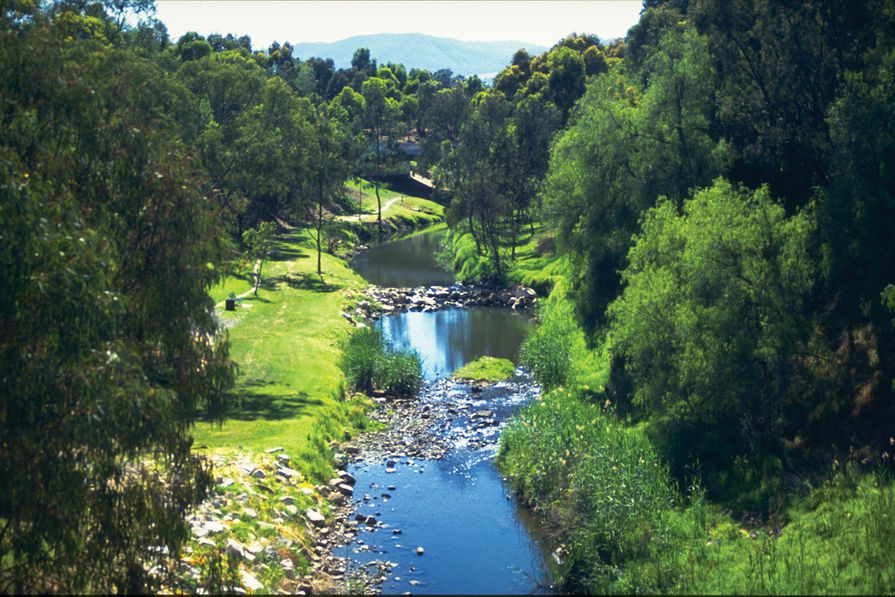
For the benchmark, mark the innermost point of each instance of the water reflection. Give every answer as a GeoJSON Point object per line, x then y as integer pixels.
{"type": "Point", "coordinates": [402, 263]}
{"type": "Point", "coordinates": [450, 338]}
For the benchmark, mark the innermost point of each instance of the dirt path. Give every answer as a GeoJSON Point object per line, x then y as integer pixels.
{"type": "Point", "coordinates": [367, 217]}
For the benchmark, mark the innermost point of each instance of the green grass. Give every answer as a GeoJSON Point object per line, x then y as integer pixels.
{"type": "Point", "coordinates": [406, 207]}
{"type": "Point", "coordinates": [536, 263]}
{"type": "Point", "coordinates": [486, 369]}
{"type": "Point", "coordinates": [286, 343]}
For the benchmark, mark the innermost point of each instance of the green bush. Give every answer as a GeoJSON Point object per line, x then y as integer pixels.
{"type": "Point", "coordinates": [556, 351]}
{"type": "Point", "coordinates": [360, 357]}
{"type": "Point", "coordinates": [399, 373]}
{"type": "Point", "coordinates": [369, 365]}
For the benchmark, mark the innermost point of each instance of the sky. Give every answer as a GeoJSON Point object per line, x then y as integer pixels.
{"type": "Point", "coordinates": [296, 21]}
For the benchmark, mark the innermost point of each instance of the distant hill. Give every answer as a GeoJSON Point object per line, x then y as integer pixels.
{"type": "Point", "coordinates": [422, 51]}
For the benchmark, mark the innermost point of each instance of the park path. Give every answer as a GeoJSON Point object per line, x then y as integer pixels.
{"type": "Point", "coordinates": [369, 217]}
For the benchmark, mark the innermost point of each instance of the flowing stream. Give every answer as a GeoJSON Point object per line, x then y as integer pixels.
{"type": "Point", "coordinates": [475, 538]}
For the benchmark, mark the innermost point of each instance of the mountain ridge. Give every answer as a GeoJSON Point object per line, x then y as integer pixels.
{"type": "Point", "coordinates": [421, 51]}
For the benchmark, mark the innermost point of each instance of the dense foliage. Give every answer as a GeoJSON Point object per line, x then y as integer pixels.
{"type": "Point", "coordinates": [747, 320]}
{"type": "Point", "coordinates": [110, 349]}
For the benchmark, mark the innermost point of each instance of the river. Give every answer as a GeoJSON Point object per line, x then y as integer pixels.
{"type": "Point", "coordinates": [475, 538]}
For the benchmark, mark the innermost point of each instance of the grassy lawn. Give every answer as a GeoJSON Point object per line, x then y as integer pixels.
{"type": "Point", "coordinates": [286, 342]}
{"type": "Point", "coordinates": [395, 204]}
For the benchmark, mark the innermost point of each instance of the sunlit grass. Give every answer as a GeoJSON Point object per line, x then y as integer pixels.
{"type": "Point", "coordinates": [486, 369]}
{"type": "Point", "coordinates": [286, 343]}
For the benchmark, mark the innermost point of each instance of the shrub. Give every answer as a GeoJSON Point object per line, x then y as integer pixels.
{"type": "Point", "coordinates": [600, 483]}
{"type": "Point", "coordinates": [556, 351]}
{"type": "Point", "coordinates": [369, 365]}
{"type": "Point", "coordinates": [360, 356]}
{"type": "Point", "coordinates": [399, 373]}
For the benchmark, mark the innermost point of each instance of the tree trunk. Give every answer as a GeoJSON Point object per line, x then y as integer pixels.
{"type": "Point", "coordinates": [379, 205]}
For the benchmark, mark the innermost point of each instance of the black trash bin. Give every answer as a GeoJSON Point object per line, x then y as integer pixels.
{"type": "Point", "coordinates": [230, 304]}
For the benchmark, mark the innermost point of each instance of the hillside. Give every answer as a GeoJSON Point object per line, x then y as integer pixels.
{"type": "Point", "coordinates": [424, 51]}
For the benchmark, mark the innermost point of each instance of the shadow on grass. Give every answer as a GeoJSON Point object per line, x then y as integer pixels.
{"type": "Point", "coordinates": [283, 251]}
{"type": "Point", "coordinates": [311, 282]}
{"type": "Point", "coordinates": [250, 403]}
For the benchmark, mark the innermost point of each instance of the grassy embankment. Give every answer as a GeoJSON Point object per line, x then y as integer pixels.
{"type": "Point", "coordinates": [286, 343]}
{"type": "Point", "coordinates": [401, 212]}
{"type": "Point", "coordinates": [535, 265]}
{"type": "Point", "coordinates": [621, 524]}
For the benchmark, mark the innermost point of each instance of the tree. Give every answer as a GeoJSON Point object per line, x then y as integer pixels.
{"type": "Point", "coordinates": [565, 82]}
{"type": "Point", "coordinates": [381, 118]}
{"type": "Point", "coordinates": [709, 323]}
{"type": "Point", "coordinates": [483, 156]}
{"type": "Point", "coordinates": [110, 349]}
{"type": "Point", "coordinates": [258, 244]}
{"type": "Point", "coordinates": [626, 147]}
{"type": "Point", "coordinates": [329, 169]}
{"type": "Point", "coordinates": [362, 62]}
{"type": "Point", "coordinates": [531, 129]}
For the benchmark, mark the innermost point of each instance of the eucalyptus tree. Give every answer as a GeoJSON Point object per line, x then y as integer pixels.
{"type": "Point", "coordinates": [381, 120]}
{"type": "Point", "coordinates": [110, 349]}
{"type": "Point", "coordinates": [328, 169]}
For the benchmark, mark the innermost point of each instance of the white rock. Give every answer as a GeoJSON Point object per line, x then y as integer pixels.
{"type": "Point", "coordinates": [287, 472]}
{"type": "Point", "coordinates": [249, 581]}
{"type": "Point", "coordinates": [255, 548]}
{"type": "Point", "coordinates": [284, 458]}
{"type": "Point", "coordinates": [214, 527]}
{"type": "Point", "coordinates": [236, 548]}
{"type": "Point", "coordinates": [315, 517]}
{"type": "Point", "coordinates": [274, 450]}
{"type": "Point", "coordinates": [251, 513]}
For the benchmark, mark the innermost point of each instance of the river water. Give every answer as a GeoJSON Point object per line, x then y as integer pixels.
{"type": "Point", "coordinates": [406, 262]}
{"type": "Point", "coordinates": [475, 538]}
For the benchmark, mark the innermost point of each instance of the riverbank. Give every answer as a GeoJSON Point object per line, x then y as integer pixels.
{"type": "Point", "coordinates": [278, 511]}
{"type": "Point", "coordinates": [390, 545]}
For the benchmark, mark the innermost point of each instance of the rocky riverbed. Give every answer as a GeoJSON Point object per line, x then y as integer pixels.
{"type": "Point", "coordinates": [449, 415]}
{"type": "Point", "coordinates": [375, 302]}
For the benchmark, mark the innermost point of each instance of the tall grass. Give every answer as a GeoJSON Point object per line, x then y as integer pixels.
{"type": "Point", "coordinates": [598, 482]}
{"type": "Point", "coordinates": [369, 365]}
{"type": "Point", "coordinates": [556, 351]}
{"type": "Point", "coordinates": [622, 526]}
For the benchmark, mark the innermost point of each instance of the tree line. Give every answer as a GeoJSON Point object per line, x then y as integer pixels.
{"type": "Point", "coordinates": [134, 171]}
{"type": "Point", "coordinates": [723, 193]}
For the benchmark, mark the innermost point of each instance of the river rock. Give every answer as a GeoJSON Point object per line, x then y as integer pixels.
{"type": "Point", "coordinates": [288, 568]}
{"type": "Point", "coordinates": [420, 551]}
{"type": "Point", "coordinates": [315, 517]}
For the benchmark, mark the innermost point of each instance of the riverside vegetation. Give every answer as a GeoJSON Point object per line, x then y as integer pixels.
{"type": "Point", "coordinates": [707, 202]}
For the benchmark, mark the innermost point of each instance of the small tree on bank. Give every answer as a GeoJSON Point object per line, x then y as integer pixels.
{"type": "Point", "coordinates": [259, 243]}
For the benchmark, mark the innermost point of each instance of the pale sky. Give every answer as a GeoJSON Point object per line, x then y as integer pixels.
{"type": "Point", "coordinates": [296, 21]}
